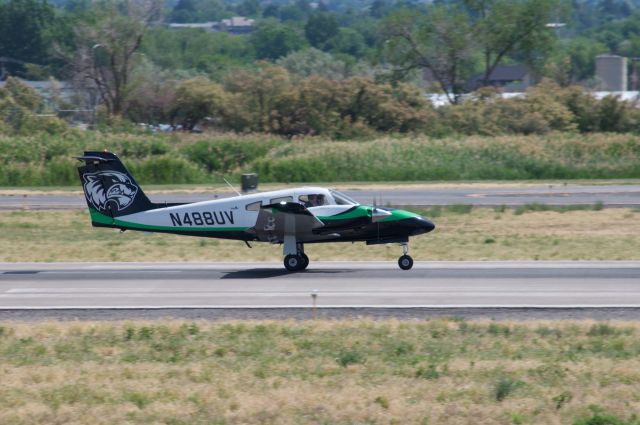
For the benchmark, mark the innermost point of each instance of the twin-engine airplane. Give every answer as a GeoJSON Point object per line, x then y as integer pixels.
{"type": "Point", "coordinates": [291, 217]}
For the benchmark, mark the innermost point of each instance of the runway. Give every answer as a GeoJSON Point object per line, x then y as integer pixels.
{"type": "Point", "coordinates": [348, 285]}
{"type": "Point", "coordinates": [550, 194]}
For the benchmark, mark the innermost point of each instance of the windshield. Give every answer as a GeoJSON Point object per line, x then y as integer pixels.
{"type": "Point", "coordinates": [342, 199]}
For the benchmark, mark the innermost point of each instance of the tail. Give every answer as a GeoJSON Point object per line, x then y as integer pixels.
{"type": "Point", "coordinates": [109, 188]}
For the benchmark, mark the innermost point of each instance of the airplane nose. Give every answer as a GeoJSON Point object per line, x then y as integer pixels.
{"type": "Point", "coordinates": [427, 225]}
{"type": "Point", "coordinates": [422, 225]}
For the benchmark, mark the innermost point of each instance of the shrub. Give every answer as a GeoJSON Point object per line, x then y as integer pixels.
{"type": "Point", "coordinates": [166, 169]}
{"type": "Point", "coordinates": [504, 387]}
{"type": "Point", "coordinates": [599, 417]}
{"type": "Point", "coordinates": [431, 372]}
{"type": "Point", "coordinates": [347, 358]}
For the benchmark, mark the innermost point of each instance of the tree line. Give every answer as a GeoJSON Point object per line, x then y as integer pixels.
{"type": "Point", "coordinates": [340, 68]}
{"type": "Point", "coordinates": [272, 100]}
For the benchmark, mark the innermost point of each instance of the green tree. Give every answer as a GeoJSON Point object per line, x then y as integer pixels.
{"type": "Point", "coordinates": [26, 29]}
{"type": "Point", "coordinates": [347, 41]}
{"type": "Point", "coordinates": [440, 42]}
{"type": "Point", "coordinates": [248, 8]}
{"type": "Point", "coordinates": [197, 99]}
{"type": "Point", "coordinates": [196, 49]}
{"type": "Point", "coordinates": [273, 40]}
{"type": "Point", "coordinates": [199, 11]}
{"type": "Point", "coordinates": [320, 27]}
{"type": "Point", "coordinates": [311, 61]}
{"type": "Point", "coordinates": [582, 54]}
{"type": "Point", "coordinates": [503, 27]}
{"type": "Point", "coordinates": [105, 50]}
{"type": "Point", "coordinates": [21, 111]}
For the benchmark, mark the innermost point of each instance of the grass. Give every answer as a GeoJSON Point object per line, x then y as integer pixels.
{"type": "Point", "coordinates": [199, 159]}
{"type": "Point", "coordinates": [461, 234]}
{"type": "Point", "coordinates": [319, 372]}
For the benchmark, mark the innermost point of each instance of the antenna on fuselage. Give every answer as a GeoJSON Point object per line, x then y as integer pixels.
{"type": "Point", "coordinates": [232, 188]}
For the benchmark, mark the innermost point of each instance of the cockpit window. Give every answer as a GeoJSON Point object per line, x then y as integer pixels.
{"type": "Point", "coordinates": [342, 199]}
{"type": "Point", "coordinates": [255, 206]}
{"type": "Point", "coordinates": [313, 200]}
{"type": "Point", "coordinates": [283, 199]}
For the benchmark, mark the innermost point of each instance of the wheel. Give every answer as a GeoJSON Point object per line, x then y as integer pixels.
{"type": "Point", "coordinates": [405, 262]}
{"type": "Point", "coordinates": [305, 261]}
{"type": "Point", "coordinates": [293, 263]}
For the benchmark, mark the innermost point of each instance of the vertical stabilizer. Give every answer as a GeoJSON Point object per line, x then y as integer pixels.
{"type": "Point", "coordinates": [109, 188]}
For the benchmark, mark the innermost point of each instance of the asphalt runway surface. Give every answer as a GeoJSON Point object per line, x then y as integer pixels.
{"type": "Point", "coordinates": [559, 194]}
{"type": "Point", "coordinates": [599, 290]}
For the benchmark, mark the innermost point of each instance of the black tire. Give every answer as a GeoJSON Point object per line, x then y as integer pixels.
{"type": "Point", "coordinates": [305, 261]}
{"type": "Point", "coordinates": [405, 262]}
{"type": "Point", "coordinates": [293, 263]}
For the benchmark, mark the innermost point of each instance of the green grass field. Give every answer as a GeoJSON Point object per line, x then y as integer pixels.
{"type": "Point", "coordinates": [462, 233]}
{"type": "Point", "coordinates": [320, 372]}
{"type": "Point", "coordinates": [206, 158]}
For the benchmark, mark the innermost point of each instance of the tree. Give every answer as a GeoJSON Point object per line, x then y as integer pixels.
{"type": "Point", "coordinates": [502, 27]}
{"type": "Point", "coordinates": [197, 99]}
{"type": "Point", "coordinates": [248, 8]}
{"type": "Point", "coordinates": [106, 49]}
{"type": "Point", "coordinates": [26, 27]}
{"type": "Point", "coordinates": [440, 42]}
{"type": "Point", "coordinates": [347, 41]}
{"type": "Point", "coordinates": [273, 40]}
{"type": "Point", "coordinates": [311, 61]}
{"type": "Point", "coordinates": [199, 11]}
{"type": "Point", "coordinates": [320, 27]}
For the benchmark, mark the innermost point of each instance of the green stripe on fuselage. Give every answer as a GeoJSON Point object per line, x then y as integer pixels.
{"type": "Point", "coordinates": [399, 215]}
{"type": "Point", "coordinates": [365, 211]}
{"type": "Point", "coordinates": [357, 212]}
{"type": "Point", "coordinates": [104, 219]}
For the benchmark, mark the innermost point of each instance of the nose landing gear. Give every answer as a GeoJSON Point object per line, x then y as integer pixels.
{"type": "Point", "coordinates": [405, 261]}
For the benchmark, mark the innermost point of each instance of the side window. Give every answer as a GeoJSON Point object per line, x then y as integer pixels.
{"type": "Point", "coordinates": [313, 200]}
{"type": "Point", "coordinates": [304, 200]}
{"type": "Point", "coordinates": [255, 206]}
{"type": "Point", "coordinates": [283, 199]}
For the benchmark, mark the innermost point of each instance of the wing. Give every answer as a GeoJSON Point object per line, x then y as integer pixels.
{"type": "Point", "coordinates": [286, 218]}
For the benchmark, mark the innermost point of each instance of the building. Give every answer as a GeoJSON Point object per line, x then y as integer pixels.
{"type": "Point", "coordinates": [208, 26]}
{"type": "Point", "coordinates": [510, 78]}
{"type": "Point", "coordinates": [611, 70]}
{"type": "Point", "coordinates": [235, 25]}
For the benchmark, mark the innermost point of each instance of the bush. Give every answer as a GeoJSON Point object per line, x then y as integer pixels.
{"type": "Point", "coordinates": [505, 386]}
{"type": "Point", "coordinates": [347, 358]}
{"type": "Point", "coordinates": [224, 155]}
{"type": "Point", "coordinates": [166, 169]}
{"type": "Point", "coordinates": [599, 417]}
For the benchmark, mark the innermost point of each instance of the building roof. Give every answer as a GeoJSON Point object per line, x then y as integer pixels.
{"type": "Point", "coordinates": [508, 73]}
{"type": "Point", "coordinates": [238, 21]}
{"type": "Point", "coordinates": [205, 25]}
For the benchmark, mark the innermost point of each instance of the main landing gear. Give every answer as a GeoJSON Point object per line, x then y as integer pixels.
{"type": "Point", "coordinates": [405, 262]}
{"type": "Point", "coordinates": [298, 261]}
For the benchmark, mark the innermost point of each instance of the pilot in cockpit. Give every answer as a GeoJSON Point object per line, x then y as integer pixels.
{"type": "Point", "coordinates": [314, 200]}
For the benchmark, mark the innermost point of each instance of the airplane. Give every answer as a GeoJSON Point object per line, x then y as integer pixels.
{"type": "Point", "coordinates": [291, 217]}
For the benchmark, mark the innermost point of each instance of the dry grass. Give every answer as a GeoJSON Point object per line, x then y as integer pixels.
{"type": "Point", "coordinates": [483, 234]}
{"type": "Point", "coordinates": [325, 372]}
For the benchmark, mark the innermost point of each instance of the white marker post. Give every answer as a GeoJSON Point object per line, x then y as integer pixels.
{"type": "Point", "coordinates": [314, 297]}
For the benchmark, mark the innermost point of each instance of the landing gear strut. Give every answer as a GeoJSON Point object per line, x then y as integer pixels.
{"type": "Point", "coordinates": [298, 261]}
{"type": "Point", "coordinates": [405, 262]}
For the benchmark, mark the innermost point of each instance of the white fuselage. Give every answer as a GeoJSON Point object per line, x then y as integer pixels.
{"type": "Point", "coordinates": [235, 213]}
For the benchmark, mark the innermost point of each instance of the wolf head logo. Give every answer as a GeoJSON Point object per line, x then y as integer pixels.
{"type": "Point", "coordinates": [109, 187]}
